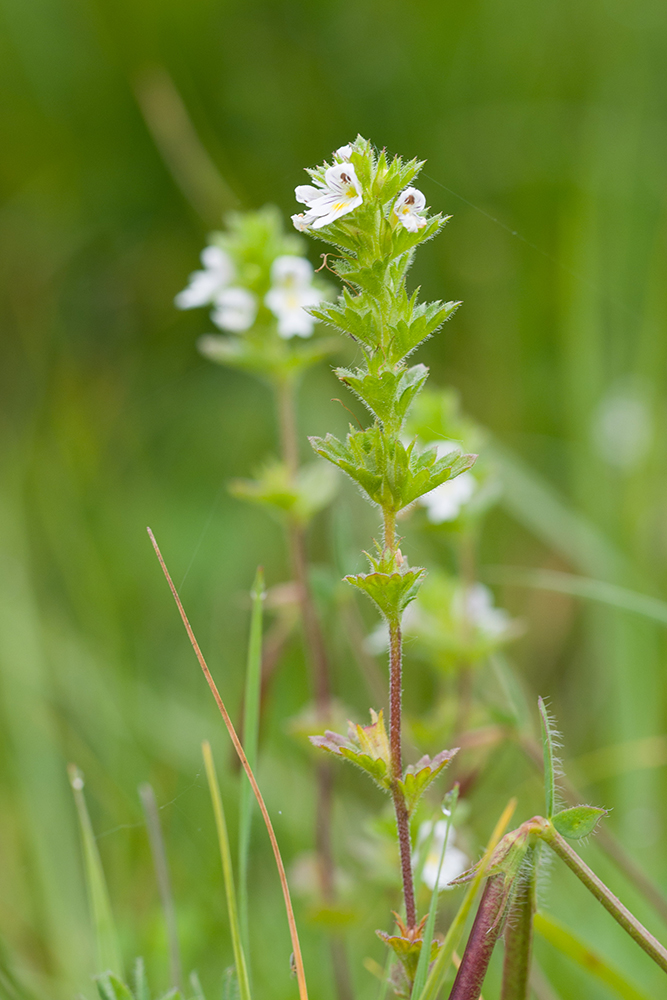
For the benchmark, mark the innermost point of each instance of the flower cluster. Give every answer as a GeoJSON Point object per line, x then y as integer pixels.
{"type": "Point", "coordinates": [337, 191]}
{"type": "Point", "coordinates": [246, 283]}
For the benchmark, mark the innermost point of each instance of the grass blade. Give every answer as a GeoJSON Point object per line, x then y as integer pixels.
{"type": "Point", "coordinates": [425, 955]}
{"type": "Point", "coordinates": [436, 978]}
{"type": "Point", "coordinates": [253, 685]}
{"type": "Point", "coordinates": [581, 586]}
{"type": "Point", "coordinates": [228, 874]}
{"type": "Point", "coordinates": [108, 954]}
{"type": "Point", "coordinates": [591, 961]}
{"type": "Point", "coordinates": [296, 946]}
{"type": "Point", "coordinates": [147, 796]}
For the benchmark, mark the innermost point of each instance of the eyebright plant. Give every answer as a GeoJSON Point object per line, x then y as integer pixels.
{"type": "Point", "coordinates": [364, 205]}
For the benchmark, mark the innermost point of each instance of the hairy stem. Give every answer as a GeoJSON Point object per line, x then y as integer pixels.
{"type": "Point", "coordinates": [620, 913]}
{"type": "Point", "coordinates": [519, 943]}
{"type": "Point", "coordinates": [402, 818]}
{"type": "Point", "coordinates": [483, 936]}
{"type": "Point", "coordinates": [606, 840]}
{"type": "Point", "coordinates": [395, 743]}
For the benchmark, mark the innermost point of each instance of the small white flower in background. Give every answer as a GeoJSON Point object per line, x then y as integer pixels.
{"type": "Point", "coordinates": [344, 152]}
{"type": "Point", "coordinates": [454, 863]}
{"type": "Point", "coordinates": [475, 605]}
{"type": "Point", "coordinates": [407, 207]}
{"type": "Point", "coordinates": [290, 293]}
{"type": "Point", "coordinates": [235, 310]}
{"type": "Point", "coordinates": [444, 503]}
{"type": "Point", "coordinates": [205, 285]}
{"type": "Point", "coordinates": [622, 429]}
{"type": "Point", "coordinates": [338, 194]}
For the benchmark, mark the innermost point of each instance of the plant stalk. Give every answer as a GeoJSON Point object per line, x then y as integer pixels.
{"type": "Point", "coordinates": [482, 940]}
{"type": "Point", "coordinates": [611, 903]}
{"type": "Point", "coordinates": [395, 742]}
{"type": "Point", "coordinates": [519, 943]}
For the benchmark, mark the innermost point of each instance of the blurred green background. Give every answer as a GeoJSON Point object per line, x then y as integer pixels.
{"type": "Point", "coordinates": [544, 127]}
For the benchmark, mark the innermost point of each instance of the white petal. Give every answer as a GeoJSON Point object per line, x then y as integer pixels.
{"type": "Point", "coordinates": [343, 152]}
{"type": "Point", "coordinates": [342, 178]}
{"type": "Point", "coordinates": [299, 221]}
{"type": "Point", "coordinates": [445, 501]}
{"type": "Point", "coordinates": [201, 290]}
{"type": "Point", "coordinates": [215, 259]}
{"type": "Point", "coordinates": [337, 208]}
{"type": "Point", "coordinates": [306, 193]}
{"type": "Point", "coordinates": [292, 270]}
{"type": "Point", "coordinates": [236, 309]}
{"type": "Point", "coordinates": [295, 323]}
{"type": "Point", "coordinates": [411, 197]}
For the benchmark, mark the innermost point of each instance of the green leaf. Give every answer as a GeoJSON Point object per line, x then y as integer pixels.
{"type": "Point", "coordinates": [268, 358]}
{"type": "Point", "coordinates": [391, 592]}
{"type": "Point", "coordinates": [577, 822]}
{"type": "Point", "coordinates": [228, 874]}
{"type": "Point", "coordinates": [392, 474]}
{"type": "Point", "coordinates": [108, 953]}
{"type": "Point", "coordinates": [419, 776]}
{"type": "Point", "coordinates": [387, 393]}
{"type": "Point", "coordinates": [110, 987]}
{"type": "Point", "coordinates": [250, 742]}
{"type": "Point", "coordinates": [141, 988]}
{"type": "Point", "coordinates": [195, 985]}
{"type": "Point", "coordinates": [421, 322]}
{"type": "Point", "coordinates": [300, 496]}
{"type": "Point", "coordinates": [365, 746]}
{"type": "Point", "coordinates": [449, 808]}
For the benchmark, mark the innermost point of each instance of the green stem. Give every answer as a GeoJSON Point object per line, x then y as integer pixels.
{"type": "Point", "coordinates": [620, 913]}
{"type": "Point", "coordinates": [519, 943]}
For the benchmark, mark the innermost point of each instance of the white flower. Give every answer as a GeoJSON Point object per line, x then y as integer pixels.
{"type": "Point", "coordinates": [300, 222]}
{"type": "Point", "coordinates": [444, 503]}
{"type": "Point", "coordinates": [338, 194]}
{"type": "Point", "coordinates": [290, 293]}
{"type": "Point", "coordinates": [622, 428]}
{"type": "Point", "coordinates": [205, 285]}
{"type": "Point", "coordinates": [454, 862]}
{"type": "Point", "coordinates": [235, 310]}
{"type": "Point", "coordinates": [344, 152]}
{"type": "Point", "coordinates": [407, 206]}
{"type": "Point", "coordinates": [475, 605]}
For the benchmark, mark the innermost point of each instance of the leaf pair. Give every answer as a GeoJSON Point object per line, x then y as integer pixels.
{"type": "Point", "coordinates": [391, 474]}
{"type": "Point", "coordinates": [368, 748]}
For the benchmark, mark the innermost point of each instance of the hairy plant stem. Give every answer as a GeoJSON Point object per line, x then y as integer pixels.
{"type": "Point", "coordinates": [317, 654]}
{"type": "Point", "coordinates": [519, 942]}
{"type": "Point", "coordinates": [605, 840]}
{"type": "Point", "coordinates": [611, 903]}
{"type": "Point", "coordinates": [395, 744]}
{"type": "Point", "coordinates": [482, 940]}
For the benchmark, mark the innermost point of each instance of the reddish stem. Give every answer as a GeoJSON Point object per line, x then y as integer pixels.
{"type": "Point", "coordinates": [483, 936]}
{"type": "Point", "coordinates": [402, 818]}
